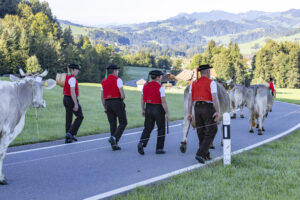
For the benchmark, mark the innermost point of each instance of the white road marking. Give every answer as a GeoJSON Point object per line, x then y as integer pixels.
{"type": "Point", "coordinates": [76, 143]}
{"type": "Point", "coordinates": [186, 169]}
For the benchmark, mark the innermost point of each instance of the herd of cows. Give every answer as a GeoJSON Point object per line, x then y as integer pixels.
{"type": "Point", "coordinates": [17, 96]}
{"type": "Point", "coordinates": [257, 98]}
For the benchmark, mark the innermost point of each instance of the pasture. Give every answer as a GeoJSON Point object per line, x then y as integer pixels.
{"type": "Point", "coordinates": [50, 123]}
{"type": "Point", "coordinates": [133, 73]}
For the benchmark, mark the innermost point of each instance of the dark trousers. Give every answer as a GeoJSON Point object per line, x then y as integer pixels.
{"type": "Point", "coordinates": [69, 105]}
{"type": "Point", "coordinates": [154, 113]}
{"type": "Point", "coordinates": [206, 126]}
{"type": "Point", "coordinates": [116, 109]}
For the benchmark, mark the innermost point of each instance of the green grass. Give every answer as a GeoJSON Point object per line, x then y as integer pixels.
{"type": "Point", "coordinates": [288, 95]}
{"type": "Point", "coordinates": [268, 172]}
{"type": "Point", "coordinates": [4, 79]}
{"type": "Point", "coordinates": [51, 120]}
{"type": "Point", "coordinates": [133, 73]}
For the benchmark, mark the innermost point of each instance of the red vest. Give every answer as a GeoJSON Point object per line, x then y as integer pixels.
{"type": "Point", "coordinates": [151, 93]}
{"type": "Point", "coordinates": [271, 86]}
{"type": "Point", "coordinates": [201, 89]}
{"type": "Point", "coordinates": [67, 88]}
{"type": "Point", "coordinates": [110, 87]}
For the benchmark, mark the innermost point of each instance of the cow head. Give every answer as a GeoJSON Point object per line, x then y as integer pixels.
{"type": "Point", "coordinates": [36, 85]}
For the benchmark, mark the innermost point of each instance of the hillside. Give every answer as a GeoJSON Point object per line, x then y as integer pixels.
{"type": "Point", "coordinates": [187, 34]}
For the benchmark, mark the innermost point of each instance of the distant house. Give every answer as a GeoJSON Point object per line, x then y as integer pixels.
{"type": "Point", "coordinates": [248, 58]}
{"type": "Point", "coordinates": [186, 75]}
{"type": "Point", "coordinates": [169, 78]}
{"type": "Point", "coordinates": [140, 84]}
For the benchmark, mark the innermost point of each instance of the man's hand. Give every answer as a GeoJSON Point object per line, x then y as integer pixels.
{"type": "Point", "coordinates": [143, 113]}
{"type": "Point", "coordinates": [190, 117]}
{"type": "Point", "coordinates": [75, 107]}
{"type": "Point", "coordinates": [167, 116]}
{"type": "Point", "coordinates": [216, 116]}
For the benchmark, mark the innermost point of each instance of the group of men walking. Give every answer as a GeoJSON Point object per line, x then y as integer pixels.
{"type": "Point", "coordinates": [203, 93]}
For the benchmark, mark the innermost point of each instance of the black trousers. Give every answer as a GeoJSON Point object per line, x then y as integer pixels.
{"type": "Point", "coordinates": [116, 109]}
{"type": "Point", "coordinates": [206, 126]}
{"type": "Point", "coordinates": [154, 113]}
{"type": "Point", "coordinates": [69, 105]}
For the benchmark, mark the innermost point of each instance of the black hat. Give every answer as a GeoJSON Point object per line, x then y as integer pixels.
{"type": "Point", "coordinates": [203, 67]}
{"type": "Point", "coordinates": [271, 79]}
{"type": "Point", "coordinates": [74, 66]}
{"type": "Point", "coordinates": [156, 73]}
{"type": "Point", "coordinates": [112, 66]}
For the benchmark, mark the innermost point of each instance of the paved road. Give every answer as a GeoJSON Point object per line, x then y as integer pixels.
{"type": "Point", "coordinates": [89, 167]}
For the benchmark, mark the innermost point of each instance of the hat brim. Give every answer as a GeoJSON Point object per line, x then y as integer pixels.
{"type": "Point", "coordinates": [204, 68]}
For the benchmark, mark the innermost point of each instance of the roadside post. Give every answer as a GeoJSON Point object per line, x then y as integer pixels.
{"type": "Point", "coordinates": [226, 139]}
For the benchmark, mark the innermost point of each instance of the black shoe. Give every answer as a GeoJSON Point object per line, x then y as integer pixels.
{"type": "Point", "coordinates": [68, 140]}
{"type": "Point", "coordinates": [160, 151]}
{"type": "Point", "coordinates": [112, 141]}
{"type": "Point", "coordinates": [141, 148]}
{"type": "Point", "coordinates": [207, 157]}
{"type": "Point", "coordinates": [70, 136]}
{"type": "Point", "coordinates": [200, 159]}
{"type": "Point", "coordinates": [116, 147]}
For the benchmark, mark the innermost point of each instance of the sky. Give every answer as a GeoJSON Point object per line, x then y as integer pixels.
{"type": "Point", "coordinates": [106, 12]}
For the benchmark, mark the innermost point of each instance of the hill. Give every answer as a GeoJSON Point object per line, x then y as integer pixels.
{"type": "Point", "coordinates": [187, 34]}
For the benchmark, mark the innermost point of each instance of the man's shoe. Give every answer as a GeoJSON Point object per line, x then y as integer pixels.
{"type": "Point", "coordinates": [160, 151]}
{"type": "Point", "coordinates": [68, 140]}
{"type": "Point", "coordinates": [70, 136]}
{"type": "Point", "coordinates": [112, 141]}
{"type": "Point", "coordinates": [141, 148]}
{"type": "Point", "coordinates": [200, 159]}
{"type": "Point", "coordinates": [116, 147]}
{"type": "Point", "coordinates": [207, 157]}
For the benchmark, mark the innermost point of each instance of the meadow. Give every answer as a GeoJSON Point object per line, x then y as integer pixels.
{"type": "Point", "coordinates": [134, 73]}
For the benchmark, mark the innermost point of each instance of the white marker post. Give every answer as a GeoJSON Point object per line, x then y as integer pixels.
{"type": "Point", "coordinates": [226, 139]}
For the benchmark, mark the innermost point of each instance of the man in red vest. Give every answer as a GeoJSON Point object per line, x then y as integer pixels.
{"type": "Point", "coordinates": [71, 103]}
{"type": "Point", "coordinates": [203, 93]}
{"type": "Point", "coordinates": [153, 95]}
{"type": "Point", "coordinates": [112, 96]}
{"type": "Point", "coordinates": [272, 87]}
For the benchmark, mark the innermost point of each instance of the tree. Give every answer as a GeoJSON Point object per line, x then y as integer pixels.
{"type": "Point", "coordinates": [32, 65]}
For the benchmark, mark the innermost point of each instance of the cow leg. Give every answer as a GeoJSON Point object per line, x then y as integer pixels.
{"type": "Point", "coordinates": [185, 130]}
{"type": "Point", "coordinates": [252, 124]}
{"type": "Point", "coordinates": [260, 124]}
{"type": "Point", "coordinates": [2, 177]}
{"type": "Point", "coordinates": [7, 138]}
{"type": "Point", "coordinates": [242, 111]}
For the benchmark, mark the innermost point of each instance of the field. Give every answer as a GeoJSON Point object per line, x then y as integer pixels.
{"type": "Point", "coordinates": [133, 73]}
{"type": "Point", "coordinates": [268, 172]}
{"type": "Point", "coordinates": [50, 121]}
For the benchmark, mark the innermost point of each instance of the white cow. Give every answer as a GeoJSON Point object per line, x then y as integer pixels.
{"type": "Point", "coordinates": [16, 97]}
{"type": "Point", "coordinates": [224, 104]}
{"type": "Point", "coordinates": [237, 97]}
{"type": "Point", "coordinates": [259, 101]}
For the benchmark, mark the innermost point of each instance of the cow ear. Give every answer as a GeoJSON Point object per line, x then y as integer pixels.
{"type": "Point", "coordinates": [13, 78]}
{"type": "Point", "coordinates": [49, 84]}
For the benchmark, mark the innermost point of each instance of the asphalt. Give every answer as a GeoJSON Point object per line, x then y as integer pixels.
{"type": "Point", "coordinates": [89, 167]}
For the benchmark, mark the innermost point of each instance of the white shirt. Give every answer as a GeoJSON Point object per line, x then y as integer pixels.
{"type": "Point", "coordinates": [213, 87]}
{"type": "Point", "coordinates": [72, 82]}
{"type": "Point", "coordinates": [161, 91]}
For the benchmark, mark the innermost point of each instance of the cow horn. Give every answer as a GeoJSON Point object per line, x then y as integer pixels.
{"type": "Point", "coordinates": [44, 73]}
{"type": "Point", "coordinates": [22, 73]}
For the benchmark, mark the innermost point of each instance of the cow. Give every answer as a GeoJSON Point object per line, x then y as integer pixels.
{"type": "Point", "coordinates": [16, 97]}
{"type": "Point", "coordinates": [259, 102]}
{"type": "Point", "coordinates": [237, 97]}
{"type": "Point", "coordinates": [224, 102]}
